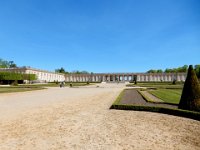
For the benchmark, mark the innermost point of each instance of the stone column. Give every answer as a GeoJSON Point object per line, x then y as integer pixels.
{"type": "Point", "coordinates": [178, 77]}
{"type": "Point", "coordinates": [165, 77]}
{"type": "Point", "coordinates": [138, 77]}
{"type": "Point", "coordinates": [183, 78]}
{"type": "Point", "coordinates": [142, 78]}
{"type": "Point", "coordinates": [155, 78]}
{"type": "Point", "coordinates": [150, 77]}
{"type": "Point", "coordinates": [104, 78]}
{"type": "Point", "coordinates": [170, 77]}
{"type": "Point", "coordinates": [159, 79]}
{"type": "Point", "coordinates": [93, 78]}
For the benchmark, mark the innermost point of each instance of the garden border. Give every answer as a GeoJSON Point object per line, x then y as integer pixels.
{"type": "Point", "coordinates": [175, 112]}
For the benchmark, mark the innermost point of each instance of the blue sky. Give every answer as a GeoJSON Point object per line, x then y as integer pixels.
{"type": "Point", "coordinates": [100, 35]}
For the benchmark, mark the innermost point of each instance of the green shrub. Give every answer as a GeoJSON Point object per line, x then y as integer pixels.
{"type": "Point", "coordinates": [190, 98]}
{"type": "Point", "coordinates": [70, 85]}
{"type": "Point", "coordinates": [174, 82]}
{"type": "Point", "coordinates": [16, 76]}
{"type": "Point", "coordinates": [15, 83]}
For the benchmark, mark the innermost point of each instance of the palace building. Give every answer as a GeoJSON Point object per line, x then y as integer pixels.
{"type": "Point", "coordinates": [126, 77]}
{"type": "Point", "coordinates": [47, 76]}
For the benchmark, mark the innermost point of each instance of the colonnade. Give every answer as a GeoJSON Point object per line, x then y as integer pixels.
{"type": "Point", "coordinates": [125, 77]}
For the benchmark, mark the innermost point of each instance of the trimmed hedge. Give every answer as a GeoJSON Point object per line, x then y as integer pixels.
{"type": "Point", "coordinates": [190, 98]}
{"type": "Point", "coordinates": [16, 76]}
{"type": "Point", "coordinates": [175, 112]}
{"type": "Point", "coordinates": [118, 99]}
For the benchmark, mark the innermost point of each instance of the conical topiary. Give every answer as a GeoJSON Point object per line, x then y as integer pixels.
{"type": "Point", "coordinates": [190, 98]}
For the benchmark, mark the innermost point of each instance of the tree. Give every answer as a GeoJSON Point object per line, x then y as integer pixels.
{"type": "Point", "coordinates": [79, 72]}
{"type": "Point", "coordinates": [179, 69]}
{"type": "Point", "coordinates": [12, 64]}
{"type": "Point", "coordinates": [7, 64]}
{"type": "Point", "coordinates": [197, 70]}
{"type": "Point", "coordinates": [182, 69]}
{"type": "Point", "coordinates": [159, 71]}
{"type": "Point", "coordinates": [190, 98]}
{"type": "Point", "coordinates": [4, 63]}
{"type": "Point", "coordinates": [61, 70]}
{"type": "Point", "coordinates": [155, 71]}
{"type": "Point", "coordinates": [168, 70]}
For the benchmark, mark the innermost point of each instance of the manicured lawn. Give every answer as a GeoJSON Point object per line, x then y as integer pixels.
{"type": "Point", "coordinates": [55, 85]}
{"type": "Point", "coordinates": [162, 85]}
{"type": "Point", "coordinates": [168, 95]}
{"type": "Point", "coordinates": [18, 89]}
{"type": "Point", "coordinates": [31, 87]}
{"type": "Point", "coordinates": [39, 85]}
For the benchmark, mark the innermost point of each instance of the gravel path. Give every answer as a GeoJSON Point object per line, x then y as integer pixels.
{"type": "Point", "coordinates": [131, 96]}
{"type": "Point", "coordinates": [79, 118]}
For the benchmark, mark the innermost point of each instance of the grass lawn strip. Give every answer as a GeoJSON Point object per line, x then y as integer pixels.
{"type": "Point", "coordinates": [18, 89]}
{"type": "Point", "coordinates": [32, 87]}
{"type": "Point", "coordinates": [160, 85]}
{"type": "Point", "coordinates": [167, 95]}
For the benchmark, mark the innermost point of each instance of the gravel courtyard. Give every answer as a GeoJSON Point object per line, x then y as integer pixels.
{"type": "Point", "coordinates": [79, 118]}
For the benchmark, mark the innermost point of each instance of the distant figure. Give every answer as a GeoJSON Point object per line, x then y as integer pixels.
{"type": "Point", "coordinates": [62, 84]}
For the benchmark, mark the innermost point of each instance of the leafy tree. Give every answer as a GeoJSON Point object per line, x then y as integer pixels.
{"type": "Point", "coordinates": [80, 72]}
{"type": "Point", "coordinates": [197, 70]}
{"type": "Point", "coordinates": [159, 71]}
{"type": "Point", "coordinates": [61, 70]}
{"type": "Point", "coordinates": [84, 72]}
{"type": "Point", "coordinates": [179, 69]}
{"type": "Point", "coordinates": [7, 64]}
{"type": "Point", "coordinates": [169, 70]}
{"type": "Point", "coordinates": [182, 69]}
{"type": "Point", "coordinates": [155, 71]}
{"type": "Point", "coordinates": [16, 76]}
{"type": "Point", "coordinates": [190, 98]}
{"type": "Point", "coordinates": [29, 77]}
{"type": "Point", "coordinates": [151, 71]}
{"type": "Point", "coordinates": [4, 64]}
{"type": "Point", "coordinates": [12, 64]}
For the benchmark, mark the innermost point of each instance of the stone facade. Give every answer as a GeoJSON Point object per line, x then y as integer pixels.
{"type": "Point", "coordinates": [125, 77]}
{"type": "Point", "coordinates": [42, 75]}
{"type": "Point", "coordinates": [46, 76]}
